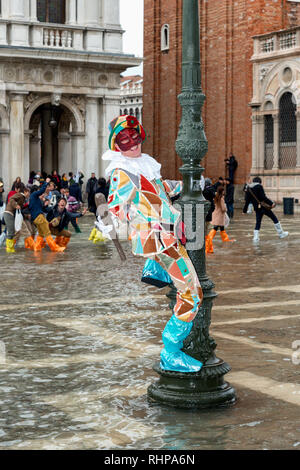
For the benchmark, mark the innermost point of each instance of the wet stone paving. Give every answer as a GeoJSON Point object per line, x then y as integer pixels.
{"type": "Point", "coordinates": [80, 334]}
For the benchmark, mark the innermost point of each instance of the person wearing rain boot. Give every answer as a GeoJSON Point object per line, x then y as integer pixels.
{"type": "Point", "coordinates": [37, 216]}
{"type": "Point", "coordinates": [59, 218]}
{"type": "Point", "coordinates": [16, 202]}
{"type": "Point", "coordinates": [255, 195]}
{"type": "Point", "coordinates": [140, 197]}
{"type": "Point", "coordinates": [218, 220]}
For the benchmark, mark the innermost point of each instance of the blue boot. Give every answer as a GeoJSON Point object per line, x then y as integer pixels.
{"type": "Point", "coordinates": [172, 358]}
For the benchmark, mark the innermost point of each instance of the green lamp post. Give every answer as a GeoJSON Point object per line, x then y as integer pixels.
{"type": "Point", "coordinates": [206, 388]}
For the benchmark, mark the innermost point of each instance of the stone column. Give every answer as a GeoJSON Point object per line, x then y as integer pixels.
{"type": "Point", "coordinates": [35, 153]}
{"type": "Point", "coordinates": [47, 153]}
{"type": "Point", "coordinates": [5, 4]}
{"type": "Point", "coordinates": [91, 163]}
{"type": "Point", "coordinates": [5, 152]}
{"type": "Point", "coordinates": [276, 141]}
{"type": "Point", "coordinates": [78, 152]}
{"type": "Point", "coordinates": [255, 140]}
{"type": "Point", "coordinates": [92, 13]}
{"type": "Point", "coordinates": [27, 161]}
{"type": "Point", "coordinates": [71, 12]}
{"type": "Point", "coordinates": [33, 10]}
{"type": "Point", "coordinates": [17, 155]}
{"type": "Point", "coordinates": [111, 12]}
{"type": "Point", "coordinates": [261, 142]}
{"type": "Point", "coordinates": [64, 153]}
{"type": "Point", "coordinates": [298, 139]}
{"type": "Point", "coordinates": [109, 109]}
{"type": "Point", "coordinates": [17, 9]}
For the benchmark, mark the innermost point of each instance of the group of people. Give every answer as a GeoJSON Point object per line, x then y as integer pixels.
{"type": "Point", "coordinates": [44, 207]}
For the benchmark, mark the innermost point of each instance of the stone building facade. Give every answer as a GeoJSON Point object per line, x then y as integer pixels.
{"type": "Point", "coordinates": [60, 65]}
{"type": "Point", "coordinates": [250, 54]}
{"type": "Point", "coordinates": [131, 102]}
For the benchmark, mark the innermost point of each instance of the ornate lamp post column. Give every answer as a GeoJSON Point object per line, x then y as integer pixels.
{"type": "Point", "coordinates": [206, 388]}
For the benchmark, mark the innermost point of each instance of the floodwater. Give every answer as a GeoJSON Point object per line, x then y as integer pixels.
{"type": "Point", "coordinates": [80, 334]}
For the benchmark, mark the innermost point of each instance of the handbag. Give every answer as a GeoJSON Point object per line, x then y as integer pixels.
{"type": "Point", "coordinates": [263, 204]}
{"type": "Point", "coordinates": [18, 220]}
{"type": "Point", "coordinates": [155, 275]}
{"type": "Point", "coordinates": [227, 220]}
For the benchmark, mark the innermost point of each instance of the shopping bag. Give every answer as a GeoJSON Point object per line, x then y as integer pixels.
{"type": "Point", "coordinates": [227, 220]}
{"type": "Point", "coordinates": [18, 220]}
{"type": "Point", "coordinates": [155, 275]}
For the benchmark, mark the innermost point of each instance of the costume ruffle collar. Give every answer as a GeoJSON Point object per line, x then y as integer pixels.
{"type": "Point", "coordinates": [143, 165]}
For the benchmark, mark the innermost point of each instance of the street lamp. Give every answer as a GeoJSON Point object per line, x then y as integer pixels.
{"type": "Point", "coordinates": [206, 388]}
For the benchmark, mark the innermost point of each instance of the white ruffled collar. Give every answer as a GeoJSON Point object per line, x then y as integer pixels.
{"type": "Point", "coordinates": [143, 165]}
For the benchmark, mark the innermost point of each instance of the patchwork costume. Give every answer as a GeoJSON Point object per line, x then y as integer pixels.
{"type": "Point", "coordinates": [140, 198]}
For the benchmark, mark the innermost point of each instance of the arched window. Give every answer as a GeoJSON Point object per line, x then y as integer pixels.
{"type": "Point", "coordinates": [287, 131]}
{"type": "Point", "coordinates": [269, 142]}
{"type": "Point", "coordinates": [51, 11]}
{"type": "Point", "coordinates": [137, 113]}
{"type": "Point", "coordinates": [165, 37]}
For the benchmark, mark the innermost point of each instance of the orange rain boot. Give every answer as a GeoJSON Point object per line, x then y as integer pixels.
{"type": "Point", "coordinates": [59, 240]}
{"type": "Point", "coordinates": [53, 246]}
{"type": "Point", "coordinates": [29, 243]}
{"type": "Point", "coordinates": [65, 241]}
{"type": "Point", "coordinates": [39, 244]}
{"type": "Point", "coordinates": [225, 237]}
{"type": "Point", "coordinates": [208, 242]}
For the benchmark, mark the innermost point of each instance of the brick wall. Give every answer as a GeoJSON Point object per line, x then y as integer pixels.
{"type": "Point", "coordinates": [227, 27]}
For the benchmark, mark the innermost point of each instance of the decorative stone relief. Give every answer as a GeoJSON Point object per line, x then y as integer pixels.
{"type": "Point", "coordinates": [79, 102]}
{"type": "Point", "coordinates": [55, 99]}
{"type": "Point", "coordinates": [29, 100]}
{"type": "Point", "coordinates": [263, 72]}
{"type": "Point", "coordinates": [48, 76]}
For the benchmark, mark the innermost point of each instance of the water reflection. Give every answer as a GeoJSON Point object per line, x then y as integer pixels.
{"type": "Point", "coordinates": [81, 334]}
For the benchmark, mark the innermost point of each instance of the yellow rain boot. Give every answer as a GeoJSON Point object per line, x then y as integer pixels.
{"type": "Point", "coordinates": [208, 242]}
{"type": "Point", "coordinates": [29, 243]}
{"type": "Point", "coordinates": [225, 237]}
{"type": "Point", "coordinates": [53, 246]}
{"type": "Point", "coordinates": [10, 246]}
{"type": "Point", "coordinates": [39, 244]}
{"type": "Point", "coordinates": [99, 237]}
{"type": "Point", "coordinates": [93, 234]}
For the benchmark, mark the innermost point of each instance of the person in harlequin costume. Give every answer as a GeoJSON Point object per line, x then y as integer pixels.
{"type": "Point", "coordinates": [138, 196]}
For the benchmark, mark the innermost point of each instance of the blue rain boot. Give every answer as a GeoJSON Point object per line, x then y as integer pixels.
{"type": "Point", "coordinates": [172, 358]}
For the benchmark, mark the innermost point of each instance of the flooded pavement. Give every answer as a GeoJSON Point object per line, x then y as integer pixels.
{"type": "Point", "coordinates": [80, 334]}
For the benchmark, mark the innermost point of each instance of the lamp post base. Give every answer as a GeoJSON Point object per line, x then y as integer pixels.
{"type": "Point", "coordinates": [204, 389]}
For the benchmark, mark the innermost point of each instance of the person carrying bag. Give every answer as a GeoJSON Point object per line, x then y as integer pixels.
{"type": "Point", "coordinates": [256, 196]}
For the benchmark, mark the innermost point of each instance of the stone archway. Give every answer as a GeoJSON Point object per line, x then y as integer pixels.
{"type": "Point", "coordinates": [52, 147]}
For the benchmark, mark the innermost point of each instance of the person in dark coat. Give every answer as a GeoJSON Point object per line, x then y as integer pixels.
{"type": "Point", "coordinates": [102, 187]}
{"type": "Point", "coordinates": [91, 188]}
{"type": "Point", "coordinates": [255, 194]}
{"type": "Point", "coordinates": [232, 165]}
{"type": "Point", "coordinates": [229, 197]}
{"type": "Point", "coordinates": [209, 194]}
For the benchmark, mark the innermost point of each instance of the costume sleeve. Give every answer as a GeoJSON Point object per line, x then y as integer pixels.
{"type": "Point", "coordinates": [121, 193]}
{"type": "Point", "coordinates": [172, 187]}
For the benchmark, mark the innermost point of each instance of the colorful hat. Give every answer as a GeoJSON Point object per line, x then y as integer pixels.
{"type": "Point", "coordinates": [124, 122]}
